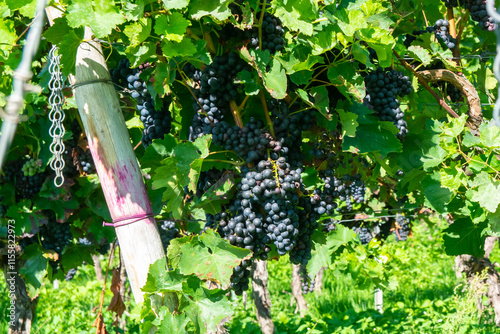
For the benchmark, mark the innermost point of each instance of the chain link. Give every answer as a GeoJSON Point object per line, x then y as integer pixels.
{"type": "Point", "coordinates": [492, 11]}
{"type": "Point", "coordinates": [56, 116]}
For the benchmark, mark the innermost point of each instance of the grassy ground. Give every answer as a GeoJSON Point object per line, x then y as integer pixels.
{"type": "Point", "coordinates": [427, 300]}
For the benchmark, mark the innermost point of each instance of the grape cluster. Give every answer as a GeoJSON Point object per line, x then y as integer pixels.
{"type": "Point", "coordinates": [215, 89]}
{"type": "Point", "coordinates": [70, 274]}
{"type": "Point", "coordinates": [450, 3]}
{"type": "Point", "coordinates": [104, 248]}
{"type": "Point", "coordinates": [364, 233]}
{"type": "Point", "coordinates": [288, 127]}
{"type": "Point", "coordinates": [157, 123]}
{"type": "Point", "coordinates": [442, 33]}
{"type": "Point", "coordinates": [403, 227]}
{"type": "Point", "coordinates": [410, 38]}
{"type": "Point", "coordinates": [307, 282]}
{"type": "Point", "coordinates": [249, 142]}
{"type": "Point", "coordinates": [55, 236]}
{"type": "Point", "coordinates": [87, 162]}
{"type": "Point", "coordinates": [27, 186]}
{"type": "Point", "coordinates": [357, 189]}
{"type": "Point", "coordinates": [272, 34]}
{"type": "Point", "coordinates": [31, 167]}
{"type": "Point", "coordinates": [383, 87]}
{"type": "Point", "coordinates": [241, 277]}
{"type": "Point", "coordinates": [168, 231]}
{"type": "Point", "coordinates": [479, 13]}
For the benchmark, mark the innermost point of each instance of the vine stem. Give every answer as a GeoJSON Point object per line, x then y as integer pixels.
{"type": "Point", "coordinates": [266, 113]}
{"type": "Point", "coordinates": [236, 113]}
{"type": "Point", "coordinates": [260, 22]}
{"type": "Point", "coordinates": [453, 33]}
{"type": "Point", "coordinates": [426, 86]}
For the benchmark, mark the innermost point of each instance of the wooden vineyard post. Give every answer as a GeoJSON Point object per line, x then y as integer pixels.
{"type": "Point", "coordinates": [116, 164]}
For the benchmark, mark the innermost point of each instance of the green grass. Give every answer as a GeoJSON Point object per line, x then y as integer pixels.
{"type": "Point", "coordinates": [426, 300]}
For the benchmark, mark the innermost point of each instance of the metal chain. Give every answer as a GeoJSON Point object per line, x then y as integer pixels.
{"type": "Point", "coordinates": [492, 11]}
{"type": "Point", "coordinates": [56, 116]}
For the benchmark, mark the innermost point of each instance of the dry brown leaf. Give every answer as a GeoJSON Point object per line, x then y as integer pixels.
{"type": "Point", "coordinates": [116, 304]}
{"type": "Point", "coordinates": [101, 326]}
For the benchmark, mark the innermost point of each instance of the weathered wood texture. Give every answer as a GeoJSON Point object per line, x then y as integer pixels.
{"type": "Point", "coordinates": [297, 291]}
{"type": "Point", "coordinates": [261, 296]}
{"type": "Point", "coordinates": [459, 81]}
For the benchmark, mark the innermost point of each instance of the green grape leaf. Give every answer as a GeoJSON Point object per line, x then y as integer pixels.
{"type": "Point", "coordinates": [465, 237]}
{"type": "Point", "coordinates": [168, 323]}
{"type": "Point", "coordinates": [275, 80]}
{"type": "Point", "coordinates": [490, 135]}
{"type": "Point", "coordinates": [172, 27]}
{"type": "Point", "coordinates": [141, 53]}
{"type": "Point", "coordinates": [100, 15]}
{"type": "Point", "coordinates": [34, 269]}
{"type": "Point", "coordinates": [175, 4]}
{"type": "Point", "coordinates": [218, 9]}
{"type": "Point", "coordinates": [420, 54]}
{"type": "Point", "coordinates": [164, 77]}
{"type": "Point", "coordinates": [349, 123]}
{"type": "Point", "coordinates": [75, 255]}
{"type": "Point", "coordinates": [470, 140]}
{"type": "Point", "coordinates": [372, 138]}
{"type": "Point", "coordinates": [174, 251]}
{"type": "Point", "coordinates": [485, 191]}
{"type": "Point", "coordinates": [206, 308]}
{"type": "Point", "coordinates": [436, 196]}
{"type": "Point", "coordinates": [161, 280]}
{"type": "Point", "coordinates": [67, 49]}
{"type": "Point", "coordinates": [296, 15]}
{"type": "Point", "coordinates": [322, 255]}
{"type": "Point", "coordinates": [350, 22]}
{"type": "Point", "coordinates": [139, 31]}
{"type": "Point", "coordinates": [174, 195]}
{"type": "Point", "coordinates": [216, 195]}
{"type": "Point", "coordinates": [434, 157]}
{"type": "Point", "coordinates": [8, 35]}
{"type": "Point", "coordinates": [246, 78]}
{"type": "Point", "coordinates": [158, 150]}
{"type": "Point", "coordinates": [174, 49]}
{"type": "Point", "coordinates": [210, 257]}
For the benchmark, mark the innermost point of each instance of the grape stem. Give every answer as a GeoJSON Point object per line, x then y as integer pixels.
{"type": "Point", "coordinates": [266, 113]}
{"type": "Point", "coordinates": [426, 86]}
{"type": "Point", "coordinates": [235, 110]}
{"type": "Point", "coordinates": [453, 33]}
{"type": "Point", "coordinates": [260, 22]}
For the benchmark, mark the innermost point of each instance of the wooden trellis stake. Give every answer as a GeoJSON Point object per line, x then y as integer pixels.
{"type": "Point", "coordinates": [115, 161]}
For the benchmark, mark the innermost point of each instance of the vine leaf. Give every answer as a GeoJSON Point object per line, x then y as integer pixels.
{"type": "Point", "coordinates": [349, 123]}
{"type": "Point", "coordinates": [172, 27]}
{"type": "Point", "coordinates": [486, 191]}
{"type": "Point", "coordinates": [297, 14]}
{"type": "Point", "coordinates": [465, 237]}
{"type": "Point", "coordinates": [323, 251]}
{"type": "Point", "coordinates": [210, 257]}
{"type": "Point", "coordinates": [218, 194]}
{"type": "Point", "coordinates": [161, 280]}
{"type": "Point", "coordinates": [206, 308]}
{"type": "Point", "coordinates": [168, 323]}
{"type": "Point", "coordinates": [420, 54]}
{"type": "Point", "coordinates": [100, 15]}
{"type": "Point", "coordinates": [275, 80]}
{"type": "Point", "coordinates": [175, 4]}
{"type": "Point", "coordinates": [436, 196]}
{"type": "Point", "coordinates": [218, 9]}
{"type": "Point", "coordinates": [139, 31]}
{"type": "Point", "coordinates": [34, 269]}
{"type": "Point", "coordinates": [180, 170]}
